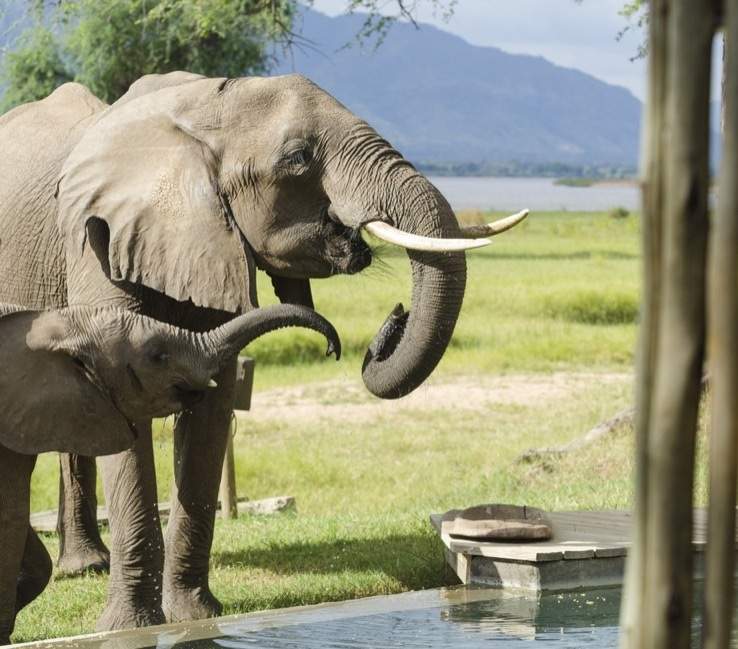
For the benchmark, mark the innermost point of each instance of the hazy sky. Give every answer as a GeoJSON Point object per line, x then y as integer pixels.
{"type": "Point", "coordinates": [582, 36]}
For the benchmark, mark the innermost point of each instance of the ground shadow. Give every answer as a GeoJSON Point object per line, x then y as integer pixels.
{"type": "Point", "coordinates": [415, 561]}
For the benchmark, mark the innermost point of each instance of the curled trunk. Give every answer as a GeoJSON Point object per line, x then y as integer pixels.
{"type": "Point", "coordinates": [227, 340]}
{"type": "Point", "coordinates": [409, 345]}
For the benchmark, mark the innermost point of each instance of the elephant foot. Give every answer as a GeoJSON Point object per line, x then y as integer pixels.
{"type": "Point", "coordinates": [125, 615]}
{"type": "Point", "coordinates": [78, 562]}
{"type": "Point", "coordinates": [184, 604]}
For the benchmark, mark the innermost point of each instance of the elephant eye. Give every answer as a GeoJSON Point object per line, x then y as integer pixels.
{"type": "Point", "coordinates": [157, 355]}
{"type": "Point", "coordinates": [298, 159]}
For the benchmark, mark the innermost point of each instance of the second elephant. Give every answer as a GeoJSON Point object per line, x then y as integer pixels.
{"type": "Point", "coordinates": [74, 380]}
{"type": "Point", "coordinates": [166, 203]}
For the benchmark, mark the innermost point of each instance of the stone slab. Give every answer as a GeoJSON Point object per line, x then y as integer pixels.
{"type": "Point", "coordinates": [587, 549]}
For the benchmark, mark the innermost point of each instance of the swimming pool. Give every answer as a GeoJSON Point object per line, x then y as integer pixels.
{"type": "Point", "coordinates": [462, 618]}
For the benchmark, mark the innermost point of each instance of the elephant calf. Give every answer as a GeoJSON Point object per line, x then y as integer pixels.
{"type": "Point", "coordinates": [74, 380]}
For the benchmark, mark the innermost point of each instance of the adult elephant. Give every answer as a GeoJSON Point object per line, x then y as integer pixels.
{"type": "Point", "coordinates": [165, 203]}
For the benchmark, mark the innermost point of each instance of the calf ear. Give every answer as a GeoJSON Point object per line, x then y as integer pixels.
{"type": "Point", "coordinates": [47, 401]}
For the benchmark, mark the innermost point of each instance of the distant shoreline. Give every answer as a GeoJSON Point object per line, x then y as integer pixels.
{"type": "Point", "coordinates": [578, 174]}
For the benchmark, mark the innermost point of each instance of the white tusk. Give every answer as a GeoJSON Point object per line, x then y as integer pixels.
{"type": "Point", "coordinates": [496, 227]}
{"type": "Point", "coordinates": [212, 384]}
{"type": "Point", "coordinates": [410, 241]}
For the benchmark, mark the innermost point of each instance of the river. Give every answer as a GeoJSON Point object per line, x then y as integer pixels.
{"type": "Point", "coordinates": [537, 194]}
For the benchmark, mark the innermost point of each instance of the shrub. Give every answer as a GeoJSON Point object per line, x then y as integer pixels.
{"type": "Point", "coordinates": [618, 213]}
{"type": "Point", "coordinates": [592, 307]}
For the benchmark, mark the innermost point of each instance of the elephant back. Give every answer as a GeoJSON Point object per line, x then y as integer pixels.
{"type": "Point", "coordinates": [35, 140]}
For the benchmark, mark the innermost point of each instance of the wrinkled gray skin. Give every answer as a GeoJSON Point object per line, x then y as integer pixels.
{"type": "Point", "coordinates": [167, 202]}
{"type": "Point", "coordinates": [74, 380]}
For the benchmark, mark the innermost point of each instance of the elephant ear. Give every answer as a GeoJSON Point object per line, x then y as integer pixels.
{"type": "Point", "coordinates": [141, 173]}
{"type": "Point", "coordinates": [47, 402]}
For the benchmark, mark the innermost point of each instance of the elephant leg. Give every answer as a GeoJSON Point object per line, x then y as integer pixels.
{"type": "Point", "coordinates": [80, 546]}
{"type": "Point", "coordinates": [15, 504]}
{"type": "Point", "coordinates": [200, 439]}
{"type": "Point", "coordinates": [35, 571]}
{"type": "Point", "coordinates": [136, 544]}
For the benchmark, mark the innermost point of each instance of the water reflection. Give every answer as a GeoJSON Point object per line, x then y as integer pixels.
{"type": "Point", "coordinates": [465, 618]}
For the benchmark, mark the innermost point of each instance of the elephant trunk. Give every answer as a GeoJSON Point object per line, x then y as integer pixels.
{"type": "Point", "coordinates": [409, 345]}
{"type": "Point", "coordinates": [224, 342]}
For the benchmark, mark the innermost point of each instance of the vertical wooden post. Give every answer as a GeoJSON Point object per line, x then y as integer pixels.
{"type": "Point", "coordinates": [658, 604]}
{"type": "Point", "coordinates": [652, 187]}
{"type": "Point", "coordinates": [244, 387]}
{"type": "Point", "coordinates": [723, 330]}
{"type": "Point", "coordinates": [668, 585]}
{"type": "Point", "coordinates": [228, 496]}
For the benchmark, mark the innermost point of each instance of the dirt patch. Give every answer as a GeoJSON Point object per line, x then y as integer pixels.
{"type": "Point", "coordinates": [342, 399]}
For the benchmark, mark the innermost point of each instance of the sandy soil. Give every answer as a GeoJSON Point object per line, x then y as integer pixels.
{"type": "Point", "coordinates": [338, 400]}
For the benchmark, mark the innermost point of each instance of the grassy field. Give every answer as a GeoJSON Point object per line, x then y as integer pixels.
{"type": "Point", "coordinates": [554, 302]}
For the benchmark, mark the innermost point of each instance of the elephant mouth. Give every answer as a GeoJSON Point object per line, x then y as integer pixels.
{"type": "Point", "coordinates": [91, 376]}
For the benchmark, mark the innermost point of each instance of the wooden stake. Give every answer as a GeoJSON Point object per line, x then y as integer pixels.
{"type": "Point", "coordinates": [723, 318]}
{"type": "Point", "coordinates": [652, 186]}
{"type": "Point", "coordinates": [668, 568]}
{"type": "Point", "coordinates": [228, 496]}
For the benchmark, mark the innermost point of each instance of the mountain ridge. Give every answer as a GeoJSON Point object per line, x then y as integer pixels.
{"type": "Point", "coordinates": [440, 99]}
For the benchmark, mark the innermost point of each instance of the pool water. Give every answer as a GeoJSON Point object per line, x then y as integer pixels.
{"type": "Point", "coordinates": [566, 622]}
{"type": "Point", "coordinates": [458, 618]}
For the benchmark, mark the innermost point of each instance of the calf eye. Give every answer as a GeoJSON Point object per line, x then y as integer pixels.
{"type": "Point", "coordinates": [158, 356]}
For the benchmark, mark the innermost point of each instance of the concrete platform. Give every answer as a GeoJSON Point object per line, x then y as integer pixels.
{"type": "Point", "coordinates": [588, 549]}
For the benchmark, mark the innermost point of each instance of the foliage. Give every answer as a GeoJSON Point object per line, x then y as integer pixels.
{"type": "Point", "coordinates": [379, 17]}
{"type": "Point", "coordinates": [618, 213]}
{"type": "Point", "coordinates": [594, 307]}
{"type": "Point", "coordinates": [110, 44]}
{"type": "Point", "coordinates": [107, 44]}
{"type": "Point", "coordinates": [636, 13]}
{"type": "Point", "coordinates": [34, 69]}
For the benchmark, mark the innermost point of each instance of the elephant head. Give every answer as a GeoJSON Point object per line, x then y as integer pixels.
{"type": "Point", "coordinates": [188, 184]}
{"type": "Point", "coordinates": [74, 379]}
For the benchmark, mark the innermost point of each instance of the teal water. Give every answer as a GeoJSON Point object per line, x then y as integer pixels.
{"type": "Point", "coordinates": [457, 618]}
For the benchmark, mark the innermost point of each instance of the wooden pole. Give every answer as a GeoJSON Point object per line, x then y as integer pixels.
{"type": "Point", "coordinates": [723, 330]}
{"type": "Point", "coordinates": [228, 495]}
{"type": "Point", "coordinates": [668, 567]}
{"type": "Point", "coordinates": [242, 401]}
{"type": "Point", "coordinates": [652, 187]}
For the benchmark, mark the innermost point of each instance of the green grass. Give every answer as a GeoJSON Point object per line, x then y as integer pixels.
{"type": "Point", "coordinates": [508, 322]}
{"type": "Point", "coordinates": [557, 294]}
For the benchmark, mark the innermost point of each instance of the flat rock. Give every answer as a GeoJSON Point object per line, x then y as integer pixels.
{"type": "Point", "coordinates": [495, 522]}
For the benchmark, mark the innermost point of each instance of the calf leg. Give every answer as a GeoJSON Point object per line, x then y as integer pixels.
{"type": "Point", "coordinates": [136, 545]}
{"type": "Point", "coordinates": [80, 546]}
{"type": "Point", "coordinates": [15, 493]}
{"type": "Point", "coordinates": [35, 571]}
{"type": "Point", "coordinates": [200, 439]}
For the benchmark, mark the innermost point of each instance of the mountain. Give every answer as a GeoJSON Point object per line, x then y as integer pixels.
{"type": "Point", "coordinates": [438, 98]}
{"type": "Point", "coordinates": [444, 102]}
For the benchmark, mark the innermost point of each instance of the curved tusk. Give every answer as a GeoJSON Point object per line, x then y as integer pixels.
{"type": "Point", "coordinates": [496, 227]}
{"type": "Point", "coordinates": [391, 234]}
{"type": "Point", "coordinates": [212, 384]}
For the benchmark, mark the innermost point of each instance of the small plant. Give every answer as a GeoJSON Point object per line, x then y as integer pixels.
{"type": "Point", "coordinates": [591, 307]}
{"type": "Point", "coordinates": [618, 213]}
